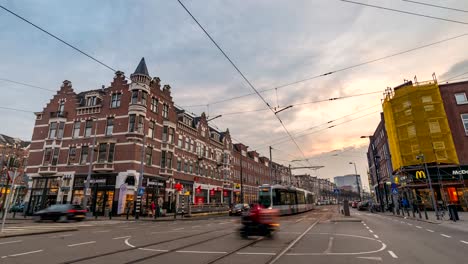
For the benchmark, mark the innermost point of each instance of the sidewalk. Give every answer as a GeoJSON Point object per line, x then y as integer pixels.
{"type": "Point", "coordinates": [461, 224]}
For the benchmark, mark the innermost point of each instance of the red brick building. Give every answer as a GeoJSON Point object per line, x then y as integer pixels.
{"type": "Point", "coordinates": [130, 120]}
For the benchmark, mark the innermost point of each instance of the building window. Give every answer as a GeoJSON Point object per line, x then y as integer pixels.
{"type": "Point", "coordinates": [144, 97]}
{"type": "Point", "coordinates": [165, 132]}
{"type": "Point", "coordinates": [169, 160]}
{"type": "Point", "coordinates": [429, 108]}
{"type": "Point", "coordinates": [179, 165]}
{"type": "Point", "coordinates": [115, 100]}
{"type": "Point", "coordinates": [197, 169]}
{"type": "Point", "coordinates": [71, 155]}
{"type": "Point", "coordinates": [110, 157]}
{"type": "Point", "coordinates": [52, 130]}
{"type": "Point", "coordinates": [149, 156]}
{"type": "Point", "coordinates": [134, 97]}
{"type": "Point", "coordinates": [193, 145]}
{"type": "Point", "coordinates": [154, 105]}
{"type": "Point", "coordinates": [47, 156]}
{"type": "Point", "coordinates": [131, 123]}
{"type": "Point", "coordinates": [191, 168]}
{"type": "Point", "coordinates": [185, 167]}
{"type": "Point", "coordinates": [426, 99]}
{"type": "Point", "coordinates": [171, 135]}
{"type": "Point", "coordinates": [102, 155]}
{"type": "Point", "coordinates": [464, 118]}
{"type": "Point", "coordinates": [61, 127]}
{"type": "Point", "coordinates": [109, 126]}
{"type": "Point", "coordinates": [163, 159]}
{"type": "Point", "coordinates": [180, 142]}
{"type": "Point", "coordinates": [187, 143]}
{"type": "Point", "coordinates": [61, 108]}
{"type": "Point", "coordinates": [461, 98]}
{"type": "Point", "coordinates": [76, 129]}
{"type": "Point", "coordinates": [411, 131]}
{"type": "Point", "coordinates": [140, 124]}
{"type": "Point", "coordinates": [151, 129]}
{"type": "Point", "coordinates": [434, 127]}
{"type": "Point", "coordinates": [165, 111]}
{"type": "Point", "coordinates": [84, 154]}
{"type": "Point", "coordinates": [88, 128]}
{"type": "Point", "coordinates": [55, 156]}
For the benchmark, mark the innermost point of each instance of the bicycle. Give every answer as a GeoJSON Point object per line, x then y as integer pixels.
{"type": "Point", "coordinates": [441, 212]}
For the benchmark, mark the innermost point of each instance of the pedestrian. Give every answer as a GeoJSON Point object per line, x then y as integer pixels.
{"type": "Point", "coordinates": [153, 209]}
{"type": "Point", "coordinates": [405, 203]}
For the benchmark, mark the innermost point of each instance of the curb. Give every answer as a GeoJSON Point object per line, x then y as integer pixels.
{"type": "Point", "coordinates": [416, 219]}
{"type": "Point", "coordinates": [39, 233]}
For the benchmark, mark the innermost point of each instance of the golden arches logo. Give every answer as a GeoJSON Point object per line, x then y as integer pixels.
{"type": "Point", "coordinates": [420, 175]}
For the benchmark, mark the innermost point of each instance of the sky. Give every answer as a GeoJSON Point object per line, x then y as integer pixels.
{"type": "Point", "coordinates": [272, 42]}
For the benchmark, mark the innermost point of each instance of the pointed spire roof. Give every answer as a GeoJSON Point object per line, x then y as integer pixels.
{"type": "Point", "coordinates": [141, 68]}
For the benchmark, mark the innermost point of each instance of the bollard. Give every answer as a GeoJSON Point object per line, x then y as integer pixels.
{"type": "Point", "coordinates": [425, 213]}
{"type": "Point", "coordinates": [414, 214]}
{"type": "Point", "coordinates": [419, 212]}
{"type": "Point", "coordinates": [398, 211]}
{"type": "Point", "coordinates": [407, 211]}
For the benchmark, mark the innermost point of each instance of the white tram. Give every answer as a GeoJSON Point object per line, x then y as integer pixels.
{"type": "Point", "coordinates": [288, 200]}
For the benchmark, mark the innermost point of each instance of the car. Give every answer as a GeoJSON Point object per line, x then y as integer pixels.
{"type": "Point", "coordinates": [61, 212]}
{"type": "Point", "coordinates": [363, 206]}
{"type": "Point", "coordinates": [237, 209]}
{"type": "Point", "coordinates": [17, 208]}
{"type": "Point", "coordinates": [354, 204]}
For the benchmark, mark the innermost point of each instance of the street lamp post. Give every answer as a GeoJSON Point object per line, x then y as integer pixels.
{"type": "Point", "coordinates": [357, 179]}
{"type": "Point", "coordinates": [90, 166]}
{"type": "Point", "coordinates": [423, 159]}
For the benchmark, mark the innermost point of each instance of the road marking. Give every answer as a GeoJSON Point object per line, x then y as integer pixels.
{"type": "Point", "coordinates": [444, 235]}
{"type": "Point", "coordinates": [371, 231]}
{"type": "Point", "coordinates": [201, 252]}
{"type": "Point", "coordinates": [178, 229]}
{"type": "Point", "coordinates": [371, 258]}
{"type": "Point", "coordinates": [60, 236]}
{"type": "Point", "coordinates": [402, 222]}
{"type": "Point", "coordinates": [367, 227]}
{"type": "Point", "coordinates": [297, 221]}
{"type": "Point", "coordinates": [463, 241]}
{"type": "Point", "coordinates": [128, 244]}
{"type": "Point", "coordinates": [157, 250]}
{"type": "Point", "coordinates": [102, 231]}
{"type": "Point", "coordinates": [195, 226]}
{"type": "Point", "coordinates": [26, 253]}
{"type": "Point", "coordinates": [409, 224]}
{"type": "Point", "coordinates": [429, 230]}
{"type": "Point", "coordinates": [255, 253]}
{"type": "Point", "coordinates": [330, 245]}
{"type": "Point", "coordinates": [376, 236]}
{"type": "Point", "coordinates": [84, 243]}
{"type": "Point", "coordinates": [9, 242]}
{"type": "Point", "coordinates": [121, 237]}
{"type": "Point", "coordinates": [392, 254]}
{"type": "Point", "coordinates": [130, 228]}
{"type": "Point", "coordinates": [418, 227]}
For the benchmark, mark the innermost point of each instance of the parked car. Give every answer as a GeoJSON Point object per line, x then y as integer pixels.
{"type": "Point", "coordinates": [18, 208]}
{"type": "Point", "coordinates": [237, 209]}
{"type": "Point", "coordinates": [61, 212]}
{"type": "Point", "coordinates": [354, 204]}
{"type": "Point", "coordinates": [363, 206]}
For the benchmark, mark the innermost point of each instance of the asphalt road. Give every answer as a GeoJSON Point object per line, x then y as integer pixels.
{"type": "Point", "coordinates": [305, 238]}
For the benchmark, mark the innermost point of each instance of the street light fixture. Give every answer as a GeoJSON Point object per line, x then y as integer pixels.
{"type": "Point", "coordinates": [90, 166]}
{"type": "Point", "coordinates": [218, 116]}
{"type": "Point", "coordinates": [423, 160]}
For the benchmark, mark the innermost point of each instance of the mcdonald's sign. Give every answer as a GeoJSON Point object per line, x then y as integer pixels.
{"type": "Point", "coordinates": [420, 175]}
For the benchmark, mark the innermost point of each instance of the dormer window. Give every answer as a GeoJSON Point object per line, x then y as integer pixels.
{"type": "Point", "coordinates": [91, 101]}
{"type": "Point", "coordinates": [61, 107]}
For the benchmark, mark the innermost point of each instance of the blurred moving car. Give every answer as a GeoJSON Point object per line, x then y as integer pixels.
{"type": "Point", "coordinates": [354, 204]}
{"type": "Point", "coordinates": [237, 209]}
{"type": "Point", "coordinates": [17, 208]}
{"type": "Point", "coordinates": [363, 206]}
{"type": "Point", "coordinates": [61, 212]}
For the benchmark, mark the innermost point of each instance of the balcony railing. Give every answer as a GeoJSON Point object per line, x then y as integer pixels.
{"type": "Point", "coordinates": [58, 114]}
{"type": "Point", "coordinates": [47, 169]}
{"type": "Point", "coordinates": [103, 167]}
{"type": "Point", "coordinates": [86, 110]}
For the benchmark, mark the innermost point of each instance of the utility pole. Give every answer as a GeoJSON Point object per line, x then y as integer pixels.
{"type": "Point", "coordinates": [357, 180]}
{"type": "Point", "coordinates": [271, 168]}
{"type": "Point", "coordinates": [421, 156]}
{"type": "Point", "coordinates": [290, 175]}
{"type": "Point", "coordinates": [90, 166]}
{"type": "Point", "coordinates": [140, 178]}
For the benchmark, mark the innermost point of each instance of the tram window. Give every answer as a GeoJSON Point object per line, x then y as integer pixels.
{"type": "Point", "coordinates": [276, 197]}
{"type": "Point", "coordinates": [300, 198]}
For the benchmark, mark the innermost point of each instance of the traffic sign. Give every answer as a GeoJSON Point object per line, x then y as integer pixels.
{"type": "Point", "coordinates": [336, 190]}
{"type": "Point", "coordinates": [395, 191]}
{"type": "Point", "coordinates": [141, 191]}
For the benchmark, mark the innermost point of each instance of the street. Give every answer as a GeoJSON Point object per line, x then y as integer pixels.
{"type": "Point", "coordinates": [318, 236]}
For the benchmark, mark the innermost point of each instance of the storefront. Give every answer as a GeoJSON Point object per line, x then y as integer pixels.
{"type": "Point", "coordinates": [102, 190]}
{"type": "Point", "coordinates": [44, 193]}
{"type": "Point", "coordinates": [154, 191]}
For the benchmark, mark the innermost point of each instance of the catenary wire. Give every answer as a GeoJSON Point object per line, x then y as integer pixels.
{"type": "Point", "coordinates": [437, 6]}
{"type": "Point", "coordinates": [405, 12]}
{"type": "Point", "coordinates": [57, 38]}
{"type": "Point", "coordinates": [243, 76]}
{"type": "Point", "coordinates": [335, 71]}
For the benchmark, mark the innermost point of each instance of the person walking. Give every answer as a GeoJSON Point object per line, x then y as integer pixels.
{"type": "Point", "coordinates": [153, 209]}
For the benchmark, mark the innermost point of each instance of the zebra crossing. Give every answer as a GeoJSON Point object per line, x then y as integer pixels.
{"type": "Point", "coordinates": [47, 226]}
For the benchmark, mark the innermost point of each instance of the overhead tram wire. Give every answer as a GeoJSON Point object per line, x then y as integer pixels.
{"type": "Point", "coordinates": [405, 12]}
{"type": "Point", "coordinates": [437, 6]}
{"type": "Point", "coordinates": [25, 84]}
{"type": "Point", "coordinates": [336, 71]}
{"type": "Point", "coordinates": [16, 109]}
{"type": "Point", "coordinates": [57, 38]}
{"type": "Point", "coordinates": [243, 76]}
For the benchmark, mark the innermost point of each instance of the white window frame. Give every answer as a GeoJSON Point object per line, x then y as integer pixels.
{"type": "Point", "coordinates": [461, 102]}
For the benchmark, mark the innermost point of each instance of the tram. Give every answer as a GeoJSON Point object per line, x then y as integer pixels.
{"type": "Point", "coordinates": [287, 200]}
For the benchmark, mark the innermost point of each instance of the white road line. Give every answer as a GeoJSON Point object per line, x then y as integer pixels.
{"type": "Point", "coordinates": [371, 231]}
{"type": "Point", "coordinates": [429, 230]}
{"type": "Point", "coordinates": [376, 236]}
{"type": "Point", "coordinates": [330, 245]}
{"type": "Point", "coordinates": [418, 227]}
{"type": "Point", "coordinates": [402, 222]}
{"type": "Point", "coordinates": [367, 227]}
{"type": "Point", "coordinates": [392, 254]}
{"type": "Point", "coordinates": [195, 226]}
{"type": "Point", "coordinates": [79, 244]}
{"type": "Point", "coordinates": [444, 235]}
{"type": "Point", "coordinates": [409, 224]}
{"type": "Point", "coordinates": [130, 228]}
{"type": "Point", "coordinates": [9, 242]}
{"type": "Point", "coordinates": [293, 243]}
{"type": "Point", "coordinates": [297, 221]}
{"type": "Point", "coordinates": [121, 237]}
{"type": "Point", "coordinates": [26, 253]}
{"type": "Point", "coordinates": [201, 252]}
{"type": "Point", "coordinates": [463, 241]}
{"type": "Point", "coordinates": [178, 229]}
{"type": "Point", "coordinates": [102, 231]}
{"type": "Point", "coordinates": [128, 244]}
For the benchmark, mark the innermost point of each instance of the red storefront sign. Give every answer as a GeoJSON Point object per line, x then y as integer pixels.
{"type": "Point", "coordinates": [212, 192]}
{"type": "Point", "coordinates": [225, 193]}
{"type": "Point", "coordinates": [199, 200]}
